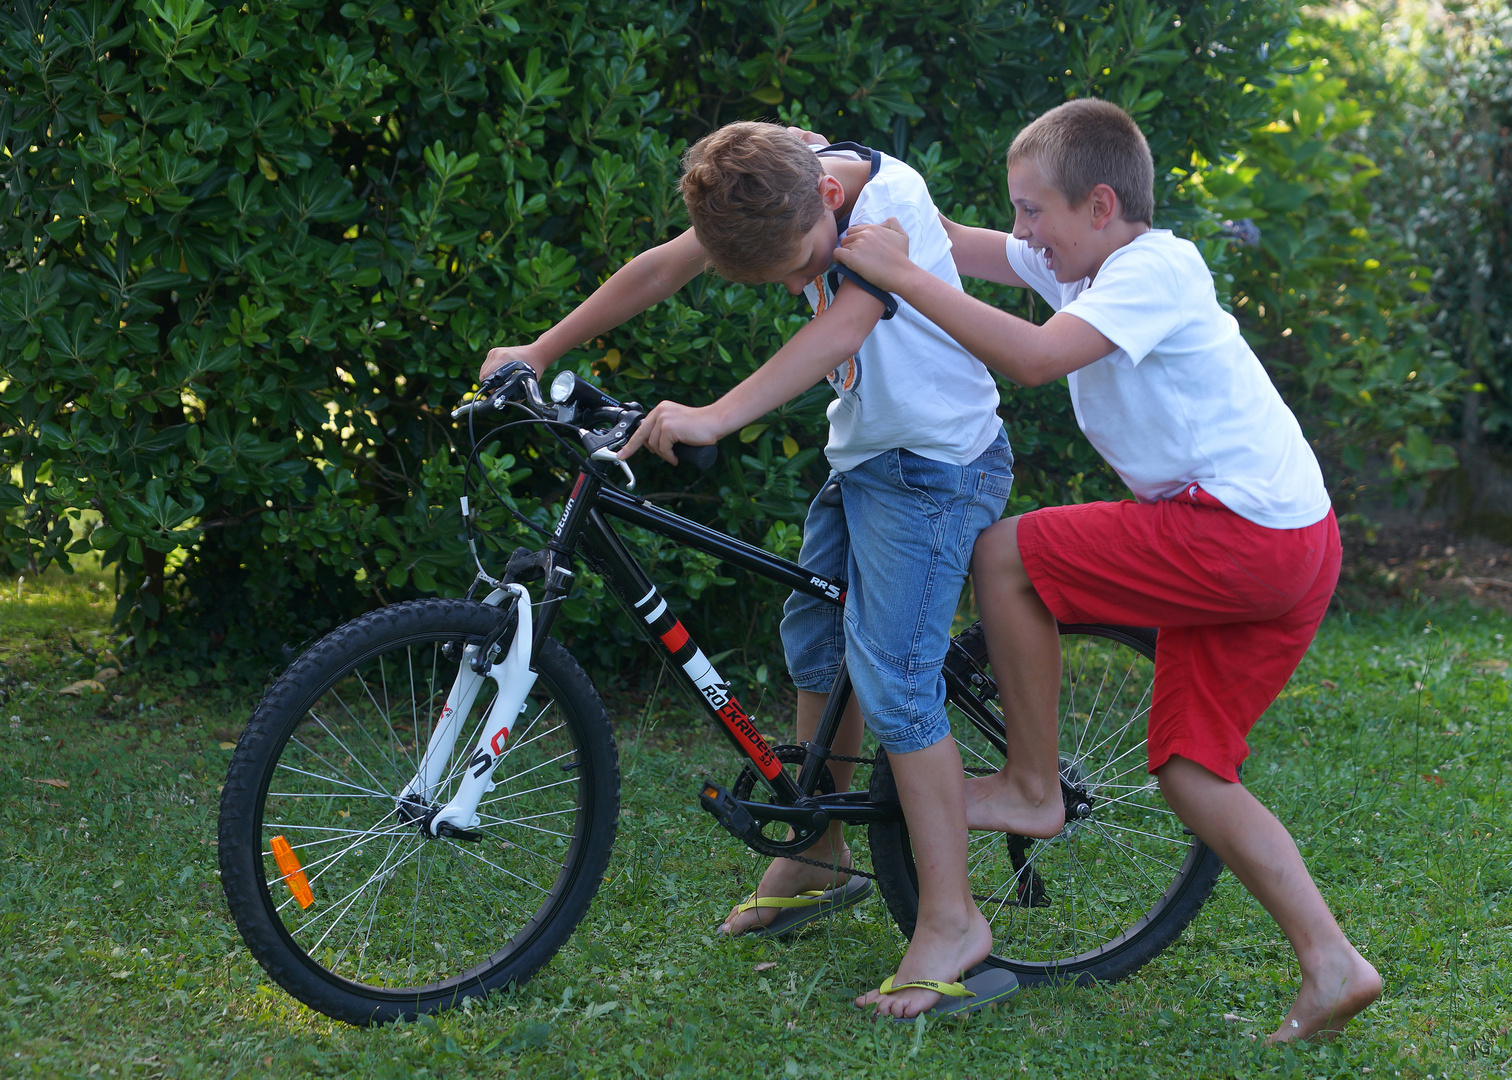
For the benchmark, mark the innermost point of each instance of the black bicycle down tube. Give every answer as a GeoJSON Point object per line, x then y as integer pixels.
{"type": "Point", "coordinates": [630, 585]}
{"type": "Point", "coordinates": [733, 551]}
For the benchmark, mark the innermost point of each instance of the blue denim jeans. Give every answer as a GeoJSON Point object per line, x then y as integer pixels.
{"type": "Point", "coordinates": [902, 541]}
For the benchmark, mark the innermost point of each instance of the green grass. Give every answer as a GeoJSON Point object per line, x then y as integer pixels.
{"type": "Point", "coordinates": [1386, 757]}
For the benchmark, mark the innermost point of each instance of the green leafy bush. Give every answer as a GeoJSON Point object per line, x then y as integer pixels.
{"type": "Point", "coordinates": [253, 253]}
{"type": "Point", "coordinates": [1443, 137]}
{"type": "Point", "coordinates": [1333, 302]}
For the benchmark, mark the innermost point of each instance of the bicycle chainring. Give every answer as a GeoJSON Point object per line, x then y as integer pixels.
{"type": "Point", "coordinates": [801, 840]}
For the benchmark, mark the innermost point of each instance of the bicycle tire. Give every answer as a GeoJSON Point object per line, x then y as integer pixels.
{"type": "Point", "coordinates": [416, 924]}
{"type": "Point", "coordinates": [1114, 889]}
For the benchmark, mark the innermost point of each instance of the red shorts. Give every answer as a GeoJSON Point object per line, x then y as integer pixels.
{"type": "Point", "coordinates": [1236, 604]}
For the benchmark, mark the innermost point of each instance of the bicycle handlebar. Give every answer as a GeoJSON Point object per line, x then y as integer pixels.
{"type": "Point", "coordinates": [602, 422]}
{"type": "Point", "coordinates": [701, 458]}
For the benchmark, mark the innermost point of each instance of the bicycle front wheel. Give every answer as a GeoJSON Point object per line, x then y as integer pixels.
{"type": "Point", "coordinates": [380, 921]}
{"type": "Point", "coordinates": [1120, 882]}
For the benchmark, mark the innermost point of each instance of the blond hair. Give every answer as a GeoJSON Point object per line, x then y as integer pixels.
{"type": "Point", "coordinates": [1087, 142]}
{"type": "Point", "coordinates": [752, 192]}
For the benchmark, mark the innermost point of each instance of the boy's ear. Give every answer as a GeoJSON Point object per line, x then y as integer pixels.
{"type": "Point", "coordinates": [831, 192]}
{"type": "Point", "coordinates": [1103, 205]}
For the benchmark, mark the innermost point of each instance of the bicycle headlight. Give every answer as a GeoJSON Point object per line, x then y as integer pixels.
{"type": "Point", "coordinates": [562, 386]}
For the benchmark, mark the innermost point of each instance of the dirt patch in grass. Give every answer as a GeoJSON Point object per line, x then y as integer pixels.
{"type": "Point", "coordinates": [1396, 555]}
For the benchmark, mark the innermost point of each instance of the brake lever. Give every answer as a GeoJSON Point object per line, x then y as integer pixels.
{"type": "Point", "coordinates": [606, 454]}
{"type": "Point", "coordinates": [472, 406]}
{"type": "Point", "coordinates": [595, 441]}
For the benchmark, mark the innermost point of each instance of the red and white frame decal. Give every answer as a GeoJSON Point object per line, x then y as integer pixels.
{"type": "Point", "coordinates": [669, 630]}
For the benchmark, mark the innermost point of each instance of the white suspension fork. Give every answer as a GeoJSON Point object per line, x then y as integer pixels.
{"type": "Point", "coordinates": [514, 680]}
{"type": "Point", "coordinates": [459, 702]}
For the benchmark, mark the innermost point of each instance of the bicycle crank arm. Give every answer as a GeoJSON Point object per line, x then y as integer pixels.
{"type": "Point", "coordinates": [744, 819]}
{"type": "Point", "coordinates": [514, 679]}
{"type": "Point", "coordinates": [857, 808]}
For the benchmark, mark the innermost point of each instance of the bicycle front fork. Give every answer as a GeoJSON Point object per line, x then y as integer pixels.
{"type": "Point", "coordinates": [514, 679]}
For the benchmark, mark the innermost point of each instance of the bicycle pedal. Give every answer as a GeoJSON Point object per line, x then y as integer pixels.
{"type": "Point", "coordinates": [727, 811]}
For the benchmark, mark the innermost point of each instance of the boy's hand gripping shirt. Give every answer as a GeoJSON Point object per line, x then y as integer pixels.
{"type": "Point", "coordinates": [1183, 400]}
{"type": "Point", "coordinates": [910, 386]}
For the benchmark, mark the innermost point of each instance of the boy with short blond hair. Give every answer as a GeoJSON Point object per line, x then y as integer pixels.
{"type": "Point", "coordinates": [923, 463]}
{"type": "Point", "coordinates": [1230, 549]}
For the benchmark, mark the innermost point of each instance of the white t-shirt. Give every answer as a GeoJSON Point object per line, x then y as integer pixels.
{"type": "Point", "coordinates": [1183, 400]}
{"type": "Point", "coordinates": [910, 386]}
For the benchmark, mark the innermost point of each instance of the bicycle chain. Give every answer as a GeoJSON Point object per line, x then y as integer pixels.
{"type": "Point", "coordinates": [853, 869]}
{"type": "Point", "coordinates": [830, 866]}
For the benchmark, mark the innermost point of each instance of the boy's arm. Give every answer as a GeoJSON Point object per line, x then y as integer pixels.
{"type": "Point", "coordinates": [981, 253]}
{"type": "Point", "coordinates": [809, 355]}
{"type": "Point", "coordinates": [1030, 355]}
{"type": "Point", "coordinates": [647, 279]}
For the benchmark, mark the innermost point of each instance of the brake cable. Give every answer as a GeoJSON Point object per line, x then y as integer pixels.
{"type": "Point", "coordinates": [532, 418]}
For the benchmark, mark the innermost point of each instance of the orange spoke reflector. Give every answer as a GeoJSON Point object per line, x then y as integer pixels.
{"type": "Point", "coordinates": [294, 878]}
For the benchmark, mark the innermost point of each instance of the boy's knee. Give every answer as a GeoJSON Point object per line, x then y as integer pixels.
{"type": "Point", "coordinates": [997, 551]}
{"type": "Point", "coordinates": [1181, 776]}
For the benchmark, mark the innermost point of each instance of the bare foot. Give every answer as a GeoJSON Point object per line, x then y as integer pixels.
{"type": "Point", "coordinates": [784, 877]}
{"type": "Point", "coordinates": [1001, 803]}
{"type": "Point", "coordinates": [938, 953]}
{"type": "Point", "coordinates": [1330, 997]}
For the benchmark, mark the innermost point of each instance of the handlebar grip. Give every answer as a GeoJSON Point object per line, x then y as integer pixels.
{"type": "Point", "coordinates": [701, 458]}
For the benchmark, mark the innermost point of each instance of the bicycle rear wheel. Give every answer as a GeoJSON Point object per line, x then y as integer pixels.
{"type": "Point", "coordinates": [1116, 886]}
{"type": "Point", "coordinates": [398, 923]}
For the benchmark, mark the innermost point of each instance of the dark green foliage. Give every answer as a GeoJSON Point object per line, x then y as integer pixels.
{"type": "Point", "coordinates": [1382, 188]}
{"type": "Point", "coordinates": [254, 253]}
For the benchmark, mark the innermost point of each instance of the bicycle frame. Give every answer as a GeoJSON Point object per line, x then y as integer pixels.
{"type": "Point", "coordinates": [367, 715]}
{"type": "Point", "coordinates": [583, 527]}
{"type": "Point", "coordinates": [583, 530]}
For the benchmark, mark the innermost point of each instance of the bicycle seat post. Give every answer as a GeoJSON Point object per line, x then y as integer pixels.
{"type": "Point", "coordinates": [829, 726]}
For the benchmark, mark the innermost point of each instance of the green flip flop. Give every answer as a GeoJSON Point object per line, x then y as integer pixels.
{"type": "Point", "coordinates": [798, 911]}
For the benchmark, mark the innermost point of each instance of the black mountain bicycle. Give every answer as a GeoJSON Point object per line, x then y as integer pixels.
{"type": "Point", "coordinates": [422, 806]}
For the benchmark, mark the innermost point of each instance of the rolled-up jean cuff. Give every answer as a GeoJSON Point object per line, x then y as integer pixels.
{"type": "Point", "coordinates": [818, 681]}
{"type": "Point", "coordinates": [916, 736]}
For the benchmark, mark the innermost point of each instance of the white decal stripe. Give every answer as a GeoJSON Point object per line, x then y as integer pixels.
{"type": "Point", "coordinates": [700, 670]}
{"type": "Point", "coordinates": [648, 596]}
{"type": "Point", "coordinates": [661, 607]}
